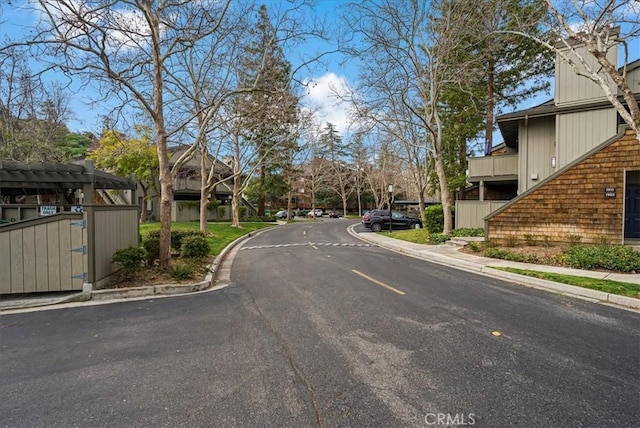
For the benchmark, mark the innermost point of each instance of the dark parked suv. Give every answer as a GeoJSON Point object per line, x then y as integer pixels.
{"type": "Point", "coordinates": [378, 220]}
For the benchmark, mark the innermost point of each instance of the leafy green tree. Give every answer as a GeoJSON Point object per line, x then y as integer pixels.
{"type": "Point", "coordinates": [76, 145]}
{"type": "Point", "coordinates": [334, 151]}
{"type": "Point", "coordinates": [269, 111]}
{"type": "Point", "coordinates": [513, 68]}
{"type": "Point", "coordinates": [502, 68]}
{"type": "Point", "coordinates": [126, 157]}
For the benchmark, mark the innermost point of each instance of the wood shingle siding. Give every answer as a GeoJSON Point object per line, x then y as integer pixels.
{"type": "Point", "coordinates": [574, 202]}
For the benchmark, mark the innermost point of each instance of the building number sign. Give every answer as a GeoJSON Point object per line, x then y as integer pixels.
{"type": "Point", "coordinates": [609, 192]}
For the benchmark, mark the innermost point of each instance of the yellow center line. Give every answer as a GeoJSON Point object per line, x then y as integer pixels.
{"type": "Point", "coordinates": [381, 284]}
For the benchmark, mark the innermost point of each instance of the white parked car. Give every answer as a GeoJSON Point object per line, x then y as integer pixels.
{"type": "Point", "coordinates": [315, 213]}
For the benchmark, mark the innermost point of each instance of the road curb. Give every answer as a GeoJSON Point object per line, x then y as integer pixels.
{"type": "Point", "coordinates": [541, 284]}
{"type": "Point", "coordinates": [175, 288]}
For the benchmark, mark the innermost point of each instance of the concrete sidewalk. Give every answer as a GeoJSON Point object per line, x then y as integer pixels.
{"type": "Point", "coordinates": [450, 255]}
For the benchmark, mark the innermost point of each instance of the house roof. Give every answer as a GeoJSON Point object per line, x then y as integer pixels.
{"type": "Point", "coordinates": [194, 162]}
{"type": "Point", "coordinates": [28, 177]}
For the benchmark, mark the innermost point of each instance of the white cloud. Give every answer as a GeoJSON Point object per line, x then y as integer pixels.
{"type": "Point", "coordinates": [124, 27]}
{"type": "Point", "coordinates": [323, 97]}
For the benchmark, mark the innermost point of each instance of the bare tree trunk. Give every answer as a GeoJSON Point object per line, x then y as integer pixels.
{"type": "Point", "coordinates": [166, 177]}
{"type": "Point", "coordinates": [143, 208]}
{"type": "Point", "coordinates": [344, 205]}
{"type": "Point", "coordinates": [488, 138]}
{"type": "Point", "coordinates": [235, 222]}
{"type": "Point", "coordinates": [166, 198]}
{"type": "Point", "coordinates": [632, 118]}
{"type": "Point", "coordinates": [261, 198]}
{"type": "Point", "coordinates": [204, 191]}
{"type": "Point", "coordinates": [359, 195]}
{"type": "Point", "coordinates": [445, 197]}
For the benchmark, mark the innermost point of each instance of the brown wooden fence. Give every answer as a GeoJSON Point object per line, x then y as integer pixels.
{"type": "Point", "coordinates": [64, 251]}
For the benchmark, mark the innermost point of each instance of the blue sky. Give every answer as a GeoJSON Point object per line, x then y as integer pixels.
{"type": "Point", "coordinates": [14, 23]}
{"type": "Point", "coordinates": [87, 116]}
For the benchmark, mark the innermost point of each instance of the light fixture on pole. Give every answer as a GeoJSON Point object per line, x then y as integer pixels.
{"type": "Point", "coordinates": [390, 200]}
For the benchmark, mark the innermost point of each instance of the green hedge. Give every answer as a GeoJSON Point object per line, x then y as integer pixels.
{"type": "Point", "coordinates": [616, 258]}
{"type": "Point", "coordinates": [496, 253]}
{"type": "Point", "coordinates": [176, 236]}
{"type": "Point", "coordinates": [468, 232]}
{"type": "Point", "coordinates": [434, 218]}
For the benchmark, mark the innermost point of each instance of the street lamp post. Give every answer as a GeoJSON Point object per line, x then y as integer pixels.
{"type": "Point", "coordinates": [390, 200]}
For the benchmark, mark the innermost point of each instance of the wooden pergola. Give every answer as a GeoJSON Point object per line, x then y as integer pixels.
{"type": "Point", "coordinates": [19, 178]}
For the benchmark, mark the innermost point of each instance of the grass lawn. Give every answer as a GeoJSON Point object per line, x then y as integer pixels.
{"type": "Point", "coordinates": [612, 287]}
{"type": "Point", "coordinates": [221, 234]}
{"type": "Point", "coordinates": [417, 236]}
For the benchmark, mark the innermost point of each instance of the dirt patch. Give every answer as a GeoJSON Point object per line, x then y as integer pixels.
{"type": "Point", "coordinates": [152, 275]}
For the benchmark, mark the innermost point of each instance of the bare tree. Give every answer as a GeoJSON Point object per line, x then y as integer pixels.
{"type": "Point", "coordinates": [203, 83]}
{"type": "Point", "coordinates": [409, 54]}
{"type": "Point", "coordinates": [597, 26]}
{"type": "Point", "coordinates": [129, 48]}
{"type": "Point", "coordinates": [242, 154]}
{"type": "Point", "coordinates": [32, 114]}
{"type": "Point", "coordinates": [218, 75]}
{"type": "Point", "coordinates": [397, 124]}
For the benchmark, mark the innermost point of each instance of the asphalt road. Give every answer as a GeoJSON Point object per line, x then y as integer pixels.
{"type": "Point", "coordinates": [319, 329]}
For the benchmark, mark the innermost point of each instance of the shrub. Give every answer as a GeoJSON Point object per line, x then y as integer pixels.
{"type": "Point", "coordinates": [183, 269]}
{"type": "Point", "coordinates": [465, 231]}
{"type": "Point", "coordinates": [176, 237]}
{"type": "Point", "coordinates": [258, 219]}
{"type": "Point", "coordinates": [511, 241]}
{"type": "Point", "coordinates": [152, 246]}
{"type": "Point", "coordinates": [221, 212]}
{"type": "Point", "coordinates": [603, 240]}
{"type": "Point", "coordinates": [213, 205]}
{"type": "Point", "coordinates": [490, 244]}
{"type": "Point", "coordinates": [434, 218]}
{"type": "Point", "coordinates": [573, 239]}
{"type": "Point", "coordinates": [530, 239]}
{"type": "Point", "coordinates": [496, 253]}
{"type": "Point", "coordinates": [438, 238]}
{"type": "Point", "coordinates": [129, 260]}
{"type": "Point", "coordinates": [194, 205]}
{"type": "Point", "coordinates": [616, 258]}
{"type": "Point", "coordinates": [474, 246]}
{"type": "Point", "coordinates": [546, 240]}
{"type": "Point", "coordinates": [194, 246]}
{"type": "Point", "coordinates": [242, 212]}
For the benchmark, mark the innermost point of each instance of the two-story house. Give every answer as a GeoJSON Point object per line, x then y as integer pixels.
{"type": "Point", "coordinates": [567, 168]}
{"type": "Point", "coordinates": [187, 185]}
